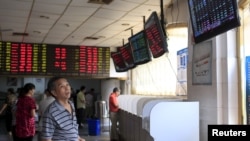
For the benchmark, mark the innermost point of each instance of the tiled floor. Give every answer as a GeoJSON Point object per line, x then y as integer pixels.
{"type": "Point", "coordinates": [84, 133]}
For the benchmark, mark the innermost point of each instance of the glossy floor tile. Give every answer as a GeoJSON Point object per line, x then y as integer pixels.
{"type": "Point", "coordinates": [103, 135]}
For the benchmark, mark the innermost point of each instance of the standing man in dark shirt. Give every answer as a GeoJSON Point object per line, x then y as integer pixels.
{"type": "Point", "coordinates": [81, 106]}
{"type": "Point", "coordinates": [114, 113]}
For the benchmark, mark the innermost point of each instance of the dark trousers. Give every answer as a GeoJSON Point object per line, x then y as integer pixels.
{"type": "Point", "coordinates": [24, 139]}
{"type": "Point", "coordinates": [14, 137]}
{"type": "Point", "coordinates": [8, 122]}
{"type": "Point", "coordinates": [80, 116]}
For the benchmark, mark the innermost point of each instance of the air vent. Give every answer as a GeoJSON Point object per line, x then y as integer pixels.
{"type": "Point", "coordinates": [91, 38]}
{"type": "Point", "coordinates": [20, 34]}
{"type": "Point", "coordinates": [100, 1]}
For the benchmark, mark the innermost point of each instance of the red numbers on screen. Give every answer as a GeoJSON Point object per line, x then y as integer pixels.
{"type": "Point", "coordinates": [60, 58]}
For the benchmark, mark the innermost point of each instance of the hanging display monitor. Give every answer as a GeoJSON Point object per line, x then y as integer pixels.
{"type": "Point", "coordinates": [211, 18]}
{"type": "Point", "coordinates": [155, 36]}
{"type": "Point", "coordinates": [119, 63]}
{"type": "Point", "coordinates": [140, 48]}
{"type": "Point", "coordinates": [127, 55]}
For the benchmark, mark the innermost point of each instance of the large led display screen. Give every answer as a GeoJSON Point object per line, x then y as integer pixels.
{"type": "Point", "coordinates": [47, 59]}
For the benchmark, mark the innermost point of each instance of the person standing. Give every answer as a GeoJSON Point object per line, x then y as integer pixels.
{"type": "Point", "coordinates": [114, 113]}
{"type": "Point", "coordinates": [43, 104]}
{"type": "Point", "coordinates": [89, 105]}
{"type": "Point", "coordinates": [25, 113]}
{"type": "Point", "coordinates": [59, 119]}
{"type": "Point", "coordinates": [7, 107]}
{"type": "Point", "coordinates": [81, 106]}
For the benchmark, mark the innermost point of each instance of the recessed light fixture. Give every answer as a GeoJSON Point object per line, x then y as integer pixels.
{"type": "Point", "coordinates": [44, 17]}
{"type": "Point", "coordinates": [20, 34]}
{"type": "Point", "coordinates": [67, 25]}
{"type": "Point", "coordinates": [125, 24]}
{"type": "Point", "coordinates": [37, 32]}
{"type": "Point", "coordinates": [91, 38]}
{"type": "Point", "coordinates": [100, 1]}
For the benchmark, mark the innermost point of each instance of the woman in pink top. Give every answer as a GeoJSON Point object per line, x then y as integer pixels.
{"type": "Point", "coordinates": [25, 113]}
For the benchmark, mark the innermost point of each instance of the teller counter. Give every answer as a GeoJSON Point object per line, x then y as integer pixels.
{"type": "Point", "coordinates": [158, 119]}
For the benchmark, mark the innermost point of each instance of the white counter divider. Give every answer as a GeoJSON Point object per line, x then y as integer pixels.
{"type": "Point", "coordinates": [151, 118]}
{"type": "Point", "coordinates": [175, 121]}
{"type": "Point", "coordinates": [146, 111]}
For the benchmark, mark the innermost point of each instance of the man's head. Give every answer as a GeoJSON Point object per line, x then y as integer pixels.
{"type": "Point", "coordinates": [117, 91]}
{"type": "Point", "coordinates": [83, 88]}
{"type": "Point", "coordinates": [59, 87]}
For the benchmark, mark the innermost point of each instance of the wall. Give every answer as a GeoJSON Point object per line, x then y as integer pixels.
{"type": "Point", "coordinates": [218, 101]}
{"type": "Point", "coordinates": [4, 86]}
{"type": "Point", "coordinates": [41, 83]}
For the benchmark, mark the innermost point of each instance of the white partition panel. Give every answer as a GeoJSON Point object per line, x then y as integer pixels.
{"type": "Point", "coordinates": [147, 111]}
{"type": "Point", "coordinates": [141, 104]}
{"type": "Point", "coordinates": [175, 121]}
{"type": "Point", "coordinates": [134, 104]}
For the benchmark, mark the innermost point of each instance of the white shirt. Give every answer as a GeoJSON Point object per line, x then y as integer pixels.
{"type": "Point", "coordinates": [43, 106]}
{"type": "Point", "coordinates": [89, 100]}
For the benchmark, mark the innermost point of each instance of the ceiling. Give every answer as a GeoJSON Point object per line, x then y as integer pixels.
{"type": "Point", "coordinates": [74, 22]}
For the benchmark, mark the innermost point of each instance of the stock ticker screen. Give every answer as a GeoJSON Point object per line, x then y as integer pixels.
{"type": "Point", "coordinates": [47, 59]}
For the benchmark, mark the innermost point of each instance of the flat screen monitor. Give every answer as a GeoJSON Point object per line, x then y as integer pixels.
{"type": "Point", "coordinates": [127, 55]}
{"type": "Point", "coordinates": [140, 48]}
{"type": "Point", "coordinates": [119, 62]}
{"type": "Point", "coordinates": [213, 17]}
{"type": "Point", "coordinates": [155, 36]}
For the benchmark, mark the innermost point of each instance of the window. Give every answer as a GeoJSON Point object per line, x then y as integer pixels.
{"type": "Point", "coordinates": [159, 76]}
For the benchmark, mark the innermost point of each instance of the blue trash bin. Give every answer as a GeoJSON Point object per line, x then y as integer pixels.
{"type": "Point", "coordinates": [94, 127]}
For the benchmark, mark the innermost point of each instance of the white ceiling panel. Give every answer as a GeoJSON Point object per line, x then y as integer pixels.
{"type": "Point", "coordinates": [80, 11]}
{"type": "Point", "coordinates": [137, 1]}
{"type": "Point", "coordinates": [39, 27]}
{"type": "Point", "coordinates": [53, 40]}
{"type": "Point", "coordinates": [144, 10]}
{"type": "Point", "coordinates": [15, 5]}
{"type": "Point", "coordinates": [71, 41]}
{"type": "Point", "coordinates": [36, 34]}
{"type": "Point", "coordinates": [89, 30]}
{"type": "Point", "coordinates": [71, 21]}
{"type": "Point", "coordinates": [109, 14]}
{"type": "Point", "coordinates": [41, 21]}
{"type": "Point", "coordinates": [84, 3]}
{"type": "Point", "coordinates": [6, 33]}
{"type": "Point", "coordinates": [56, 2]}
{"type": "Point", "coordinates": [134, 18]}
{"type": "Point", "coordinates": [12, 38]}
{"type": "Point", "coordinates": [49, 8]}
{"type": "Point", "coordinates": [17, 20]}
{"type": "Point", "coordinates": [13, 26]}
{"type": "Point", "coordinates": [31, 38]}
{"type": "Point", "coordinates": [68, 24]}
{"type": "Point", "coordinates": [73, 18]}
{"type": "Point", "coordinates": [57, 33]}
{"type": "Point", "coordinates": [14, 13]}
{"type": "Point", "coordinates": [119, 5]}
{"type": "Point", "coordinates": [94, 22]}
{"type": "Point", "coordinates": [44, 16]}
